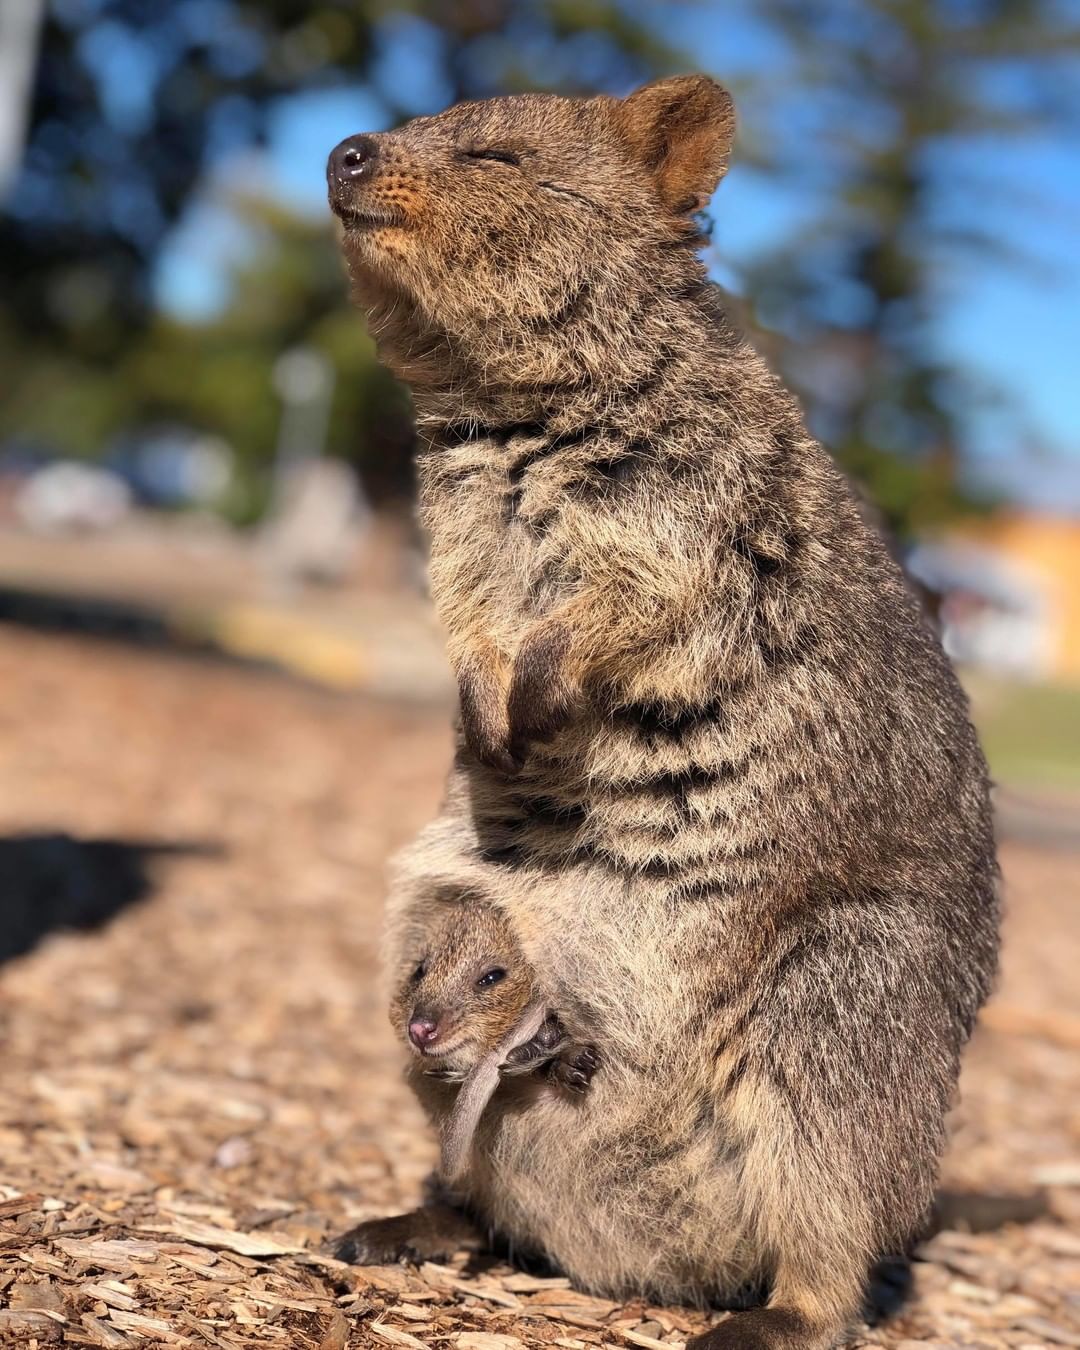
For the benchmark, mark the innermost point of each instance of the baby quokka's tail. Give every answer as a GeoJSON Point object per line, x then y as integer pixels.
{"type": "Point", "coordinates": [459, 1129]}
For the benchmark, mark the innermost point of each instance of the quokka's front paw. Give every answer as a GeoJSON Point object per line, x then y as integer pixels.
{"type": "Point", "coordinates": [574, 1068]}
{"type": "Point", "coordinates": [482, 694]}
{"type": "Point", "coordinates": [541, 699]}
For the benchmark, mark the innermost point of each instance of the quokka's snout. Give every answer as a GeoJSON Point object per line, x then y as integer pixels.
{"type": "Point", "coordinates": [363, 190]}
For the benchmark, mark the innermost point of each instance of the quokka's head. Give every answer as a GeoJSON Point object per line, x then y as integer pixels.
{"type": "Point", "coordinates": [506, 217]}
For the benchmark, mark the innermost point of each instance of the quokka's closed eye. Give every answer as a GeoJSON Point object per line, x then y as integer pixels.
{"type": "Point", "coordinates": [492, 152]}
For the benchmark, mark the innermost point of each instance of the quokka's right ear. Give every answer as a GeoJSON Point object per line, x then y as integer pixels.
{"type": "Point", "coordinates": [680, 130]}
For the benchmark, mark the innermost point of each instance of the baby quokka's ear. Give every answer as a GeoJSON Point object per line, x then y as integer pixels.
{"type": "Point", "coordinates": [680, 130]}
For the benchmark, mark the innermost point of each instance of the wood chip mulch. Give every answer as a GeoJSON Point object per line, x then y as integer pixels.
{"type": "Point", "coordinates": [198, 1093]}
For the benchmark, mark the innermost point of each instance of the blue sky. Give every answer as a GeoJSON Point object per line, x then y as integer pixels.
{"type": "Point", "coordinates": [1014, 325]}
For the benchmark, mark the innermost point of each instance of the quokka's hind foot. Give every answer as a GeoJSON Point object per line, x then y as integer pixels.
{"type": "Point", "coordinates": [433, 1233]}
{"type": "Point", "coordinates": [765, 1329]}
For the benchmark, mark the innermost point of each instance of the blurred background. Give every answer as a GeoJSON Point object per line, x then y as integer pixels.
{"type": "Point", "coordinates": [221, 687]}
{"type": "Point", "coordinates": [192, 420]}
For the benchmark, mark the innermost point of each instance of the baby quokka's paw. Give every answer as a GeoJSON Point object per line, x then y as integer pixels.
{"type": "Point", "coordinates": [568, 1064]}
{"type": "Point", "coordinates": [539, 1051]}
{"type": "Point", "coordinates": [445, 1073]}
{"type": "Point", "coordinates": [573, 1069]}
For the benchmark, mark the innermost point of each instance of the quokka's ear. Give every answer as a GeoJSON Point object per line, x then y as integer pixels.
{"type": "Point", "coordinates": [681, 130]}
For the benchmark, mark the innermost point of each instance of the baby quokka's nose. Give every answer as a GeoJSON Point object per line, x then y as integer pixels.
{"type": "Point", "coordinates": [422, 1031]}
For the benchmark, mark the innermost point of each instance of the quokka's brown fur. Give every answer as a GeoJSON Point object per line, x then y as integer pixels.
{"type": "Point", "coordinates": [713, 763]}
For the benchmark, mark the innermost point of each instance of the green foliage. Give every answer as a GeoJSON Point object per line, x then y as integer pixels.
{"type": "Point", "coordinates": [867, 98]}
{"type": "Point", "coordinates": [1031, 732]}
{"type": "Point", "coordinates": [83, 354]}
{"type": "Point", "coordinates": [288, 290]}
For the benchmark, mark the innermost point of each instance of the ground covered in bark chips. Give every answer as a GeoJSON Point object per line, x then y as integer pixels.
{"type": "Point", "coordinates": [200, 1090]}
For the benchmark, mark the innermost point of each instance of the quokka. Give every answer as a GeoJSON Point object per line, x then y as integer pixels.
{"type": "Point", "coordinates": [713, 766]}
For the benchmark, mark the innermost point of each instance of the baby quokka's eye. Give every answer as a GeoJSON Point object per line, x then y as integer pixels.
{"type": "Point", "coordinates": [419, 973]}
{"type": "Point", "coordinates": [491, 977]}
{"type": "Point", "coordinates": [494, 153]}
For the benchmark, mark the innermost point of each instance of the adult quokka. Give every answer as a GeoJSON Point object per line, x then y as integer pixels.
{"type": "Point", "coordinates": [713, 765]}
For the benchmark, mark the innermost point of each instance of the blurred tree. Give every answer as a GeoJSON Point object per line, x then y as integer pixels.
{"type": "Point", "coordinates": [134, 100]}
{"type": "Point", "coordinates": [286, 291]}
{"type": "Point", "coordinates": [887, 96]}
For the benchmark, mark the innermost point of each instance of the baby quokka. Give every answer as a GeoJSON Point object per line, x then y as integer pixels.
{"type": "Point", "coordinates": [471, 1012]}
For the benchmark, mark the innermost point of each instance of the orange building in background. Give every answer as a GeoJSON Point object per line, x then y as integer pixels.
{"type": "Point", "coordinates": [1038, 557]}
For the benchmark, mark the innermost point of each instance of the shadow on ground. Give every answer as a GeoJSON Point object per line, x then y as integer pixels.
{"type": "Point", "coordinates": [57, 881]}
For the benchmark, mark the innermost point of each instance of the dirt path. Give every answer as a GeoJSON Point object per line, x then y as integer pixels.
{"type": "Point", "coordinates": [194, 1095]}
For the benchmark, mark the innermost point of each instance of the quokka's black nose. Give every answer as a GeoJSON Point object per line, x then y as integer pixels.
{"type": "Point", "coordinates": [351, 159]}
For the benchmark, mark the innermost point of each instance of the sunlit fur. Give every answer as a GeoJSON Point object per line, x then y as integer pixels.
{"type": "Point", "coordinates": [713, 765]}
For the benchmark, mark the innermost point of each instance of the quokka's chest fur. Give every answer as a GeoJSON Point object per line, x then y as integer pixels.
{"type": "Point", "coordinates": [726, 681]}
{"type": "Point", "coordinates": [494, 500]}
{"type": "Point", "coordinates": [666, 838]}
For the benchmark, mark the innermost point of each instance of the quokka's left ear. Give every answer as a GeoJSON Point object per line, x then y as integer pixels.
{"type": "Point", "coordinates": [680, 130]}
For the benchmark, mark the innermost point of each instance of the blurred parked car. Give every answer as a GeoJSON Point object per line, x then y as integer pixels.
{"type": "Point", "coordinates": [68, 495]}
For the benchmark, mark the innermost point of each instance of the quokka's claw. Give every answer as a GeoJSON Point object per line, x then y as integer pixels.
{"type": "Point", "coordinates": [574, 1070]}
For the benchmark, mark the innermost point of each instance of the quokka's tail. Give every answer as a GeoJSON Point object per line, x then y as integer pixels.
{"type": "Point", "coordinates": [976, 1212]}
